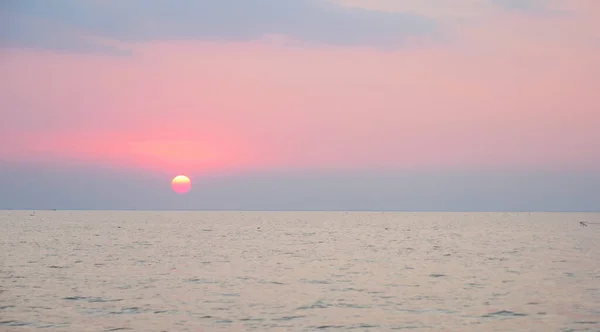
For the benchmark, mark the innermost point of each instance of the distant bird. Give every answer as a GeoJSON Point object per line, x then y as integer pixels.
{"type": "Point", "coordinates": [583, 224]}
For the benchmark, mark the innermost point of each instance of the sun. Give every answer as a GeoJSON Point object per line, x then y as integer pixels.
{"type": "Point", "coordinates": [181, 184]}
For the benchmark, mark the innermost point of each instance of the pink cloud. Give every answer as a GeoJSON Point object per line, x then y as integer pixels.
{"type": "Point", "coordinates": [495, 98]}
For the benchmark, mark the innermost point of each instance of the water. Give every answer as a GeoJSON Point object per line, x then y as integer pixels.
{"type": "Point", "coordinates": [298, 271]}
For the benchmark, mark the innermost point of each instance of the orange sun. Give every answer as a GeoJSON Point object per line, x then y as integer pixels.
{"type": "Point", "coordinates": [181, 184]}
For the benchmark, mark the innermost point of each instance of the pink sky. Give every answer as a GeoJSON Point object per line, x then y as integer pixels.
{"type": "Point", "coordinates": [504, 90]}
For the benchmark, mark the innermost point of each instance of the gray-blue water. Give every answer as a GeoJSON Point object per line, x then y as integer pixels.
{"type": "Point", "coordinates": [298, 271]}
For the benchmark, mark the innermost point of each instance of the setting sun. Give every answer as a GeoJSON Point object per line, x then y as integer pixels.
{"type": "Point", "coordinates": [181, 184]}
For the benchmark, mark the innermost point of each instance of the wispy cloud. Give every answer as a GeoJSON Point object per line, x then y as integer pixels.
{"type": "Point", "coordinates": [461, 11]}
{"type": "Point", "coordinates": [24, 31]}
{"type": "Point", "coordinates": [317, 21]}
{"type": "Point", "coordinates": [520, 4]}
{"type": "Point", "coordinates": [534, 7]}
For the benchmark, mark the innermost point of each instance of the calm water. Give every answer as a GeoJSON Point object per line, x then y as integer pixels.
{"type": "Point", "coordinates": [290, 271]}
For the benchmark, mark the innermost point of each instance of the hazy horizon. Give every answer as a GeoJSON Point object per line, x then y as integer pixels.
{"type": "Point", "coordinates": [273, 210]}
{"type": "Point", "coordinates": [117, 189]}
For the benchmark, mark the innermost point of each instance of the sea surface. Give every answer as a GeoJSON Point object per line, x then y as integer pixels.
{"type": "Point", "coordinates": [298, 271]}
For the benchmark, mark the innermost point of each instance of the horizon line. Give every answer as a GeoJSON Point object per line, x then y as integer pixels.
{"type": "Point", "coordinates": [305, 210]}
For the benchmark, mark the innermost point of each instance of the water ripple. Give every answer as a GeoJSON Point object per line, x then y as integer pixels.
{"type": "Point", "coordinates": [297, 271]}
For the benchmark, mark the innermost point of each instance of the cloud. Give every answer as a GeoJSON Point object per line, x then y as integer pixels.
{"type": "Point", "coordinates": [518, 4]}
{"type": "Point", "coordinates": [315, 21]}
{"type": "Point", "coordinates": [21, 31]}
{"type": "Point", "coordinates": [534, 7]}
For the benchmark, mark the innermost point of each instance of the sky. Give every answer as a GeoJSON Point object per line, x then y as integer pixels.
{"type": "Point", "coordinates": [455, 105]}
